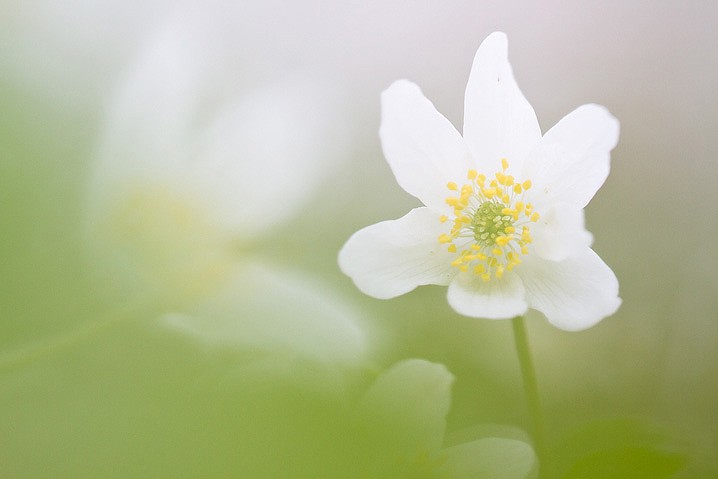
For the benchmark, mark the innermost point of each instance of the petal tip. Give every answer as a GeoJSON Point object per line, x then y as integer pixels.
{"type": "Point", "coordinates": [496, 39]}
{"type": "Point", "coordinates": [400, 86]}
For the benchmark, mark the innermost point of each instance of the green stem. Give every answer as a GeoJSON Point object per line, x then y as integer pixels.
{"type": "Point", "coordinates": [528, 374]}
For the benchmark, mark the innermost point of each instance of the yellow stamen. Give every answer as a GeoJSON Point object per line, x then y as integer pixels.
{"type": "Point", "coordinates": [444, 238]}
{"type": "Point", "coordinates": [491, 214]}
{"type": "Point", "coordinates": [503, 240]}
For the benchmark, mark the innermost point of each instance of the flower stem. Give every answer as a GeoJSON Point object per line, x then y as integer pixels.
{"type": "Point", "coordinates": [528, 374]}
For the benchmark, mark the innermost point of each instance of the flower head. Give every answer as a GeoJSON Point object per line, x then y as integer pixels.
{"type": "Point", "coordinates": [198, 165]}
{"type": "Point", "coordinates": [502, 223]}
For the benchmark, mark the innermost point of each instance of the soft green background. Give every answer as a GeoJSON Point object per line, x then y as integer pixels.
{"type": "Point", "coordinates": [636, 393]}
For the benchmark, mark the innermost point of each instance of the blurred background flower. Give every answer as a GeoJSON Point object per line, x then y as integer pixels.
{"type": "Point", "coordinates": [637, 391]}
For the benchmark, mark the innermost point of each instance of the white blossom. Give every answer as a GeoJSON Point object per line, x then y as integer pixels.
{"type": "Point", "coordinates": [502, 223]}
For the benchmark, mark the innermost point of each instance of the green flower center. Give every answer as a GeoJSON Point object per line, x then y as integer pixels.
{"type": "Point", "coordinates": [490, 229]}
{"type": "Point", "coordinates": [488, 223]}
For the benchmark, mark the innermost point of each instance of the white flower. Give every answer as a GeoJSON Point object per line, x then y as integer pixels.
{"type": "Point", "coordinates": [198, 166]}
{"type": "Point", "coordinates": [503, 222]}
{"type": "Point", "coordinates": [406, 408]}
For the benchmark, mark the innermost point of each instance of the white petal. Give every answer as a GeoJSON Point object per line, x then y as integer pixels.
{"type": "Point", "coordinates": [252, 154]}
{"type": "Point", "coordinates": [144, 138]}
{"type": "Point", "coordinates": [574, 294]}
{"type": "Point", "coordinates": [423, 148]}
{"type": "Point", "coordinates": [410, 402]}
{"type": "Point", "coordinates": [573, 158]}
{"type": "Point", "coordinates": [489, 458]}
{"type": "Point", "coordinates": [264, 309]}
{"type": "Point", "coordinates": [560, 232]}
{"type": "Point", "coordinates": [498, 120]}
{"type": "Point", "coordinates": [262, 156]}
{"type": "Point", "coordinates": [496, 299]}
{"type": "Point", "coordinates": [391, 258]}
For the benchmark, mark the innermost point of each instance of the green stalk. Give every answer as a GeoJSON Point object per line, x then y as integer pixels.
{"type": "Point", "coordinates": [528, 374]}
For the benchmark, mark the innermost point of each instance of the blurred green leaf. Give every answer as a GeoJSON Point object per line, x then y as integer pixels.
{"type": "Point", "coordinates": [616, 448]}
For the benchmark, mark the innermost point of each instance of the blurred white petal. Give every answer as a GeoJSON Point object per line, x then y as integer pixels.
{"type": "Point", "coordinates": [268, 309]}
{"type": "Point", "coordinates": [196, 158]}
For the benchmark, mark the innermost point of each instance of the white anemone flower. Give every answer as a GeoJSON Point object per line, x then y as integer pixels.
{"type": "Point", "coordinates": [406, 407]}
{"type": "Point", "coordinates": [502, 223]}
{"type": "Point", "coordinates": [197, 166]}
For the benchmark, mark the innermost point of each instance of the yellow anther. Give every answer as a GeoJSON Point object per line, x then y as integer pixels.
{"type": "Point", "coordinates": [487, 211]}
{"type": "Point", "coordinates": [503, 240]}
{"type": "Point", "coordinates": [444, 238]}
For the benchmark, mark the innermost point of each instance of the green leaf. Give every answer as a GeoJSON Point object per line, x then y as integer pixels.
{"type": "Point", "coordinates": [616, 448]}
